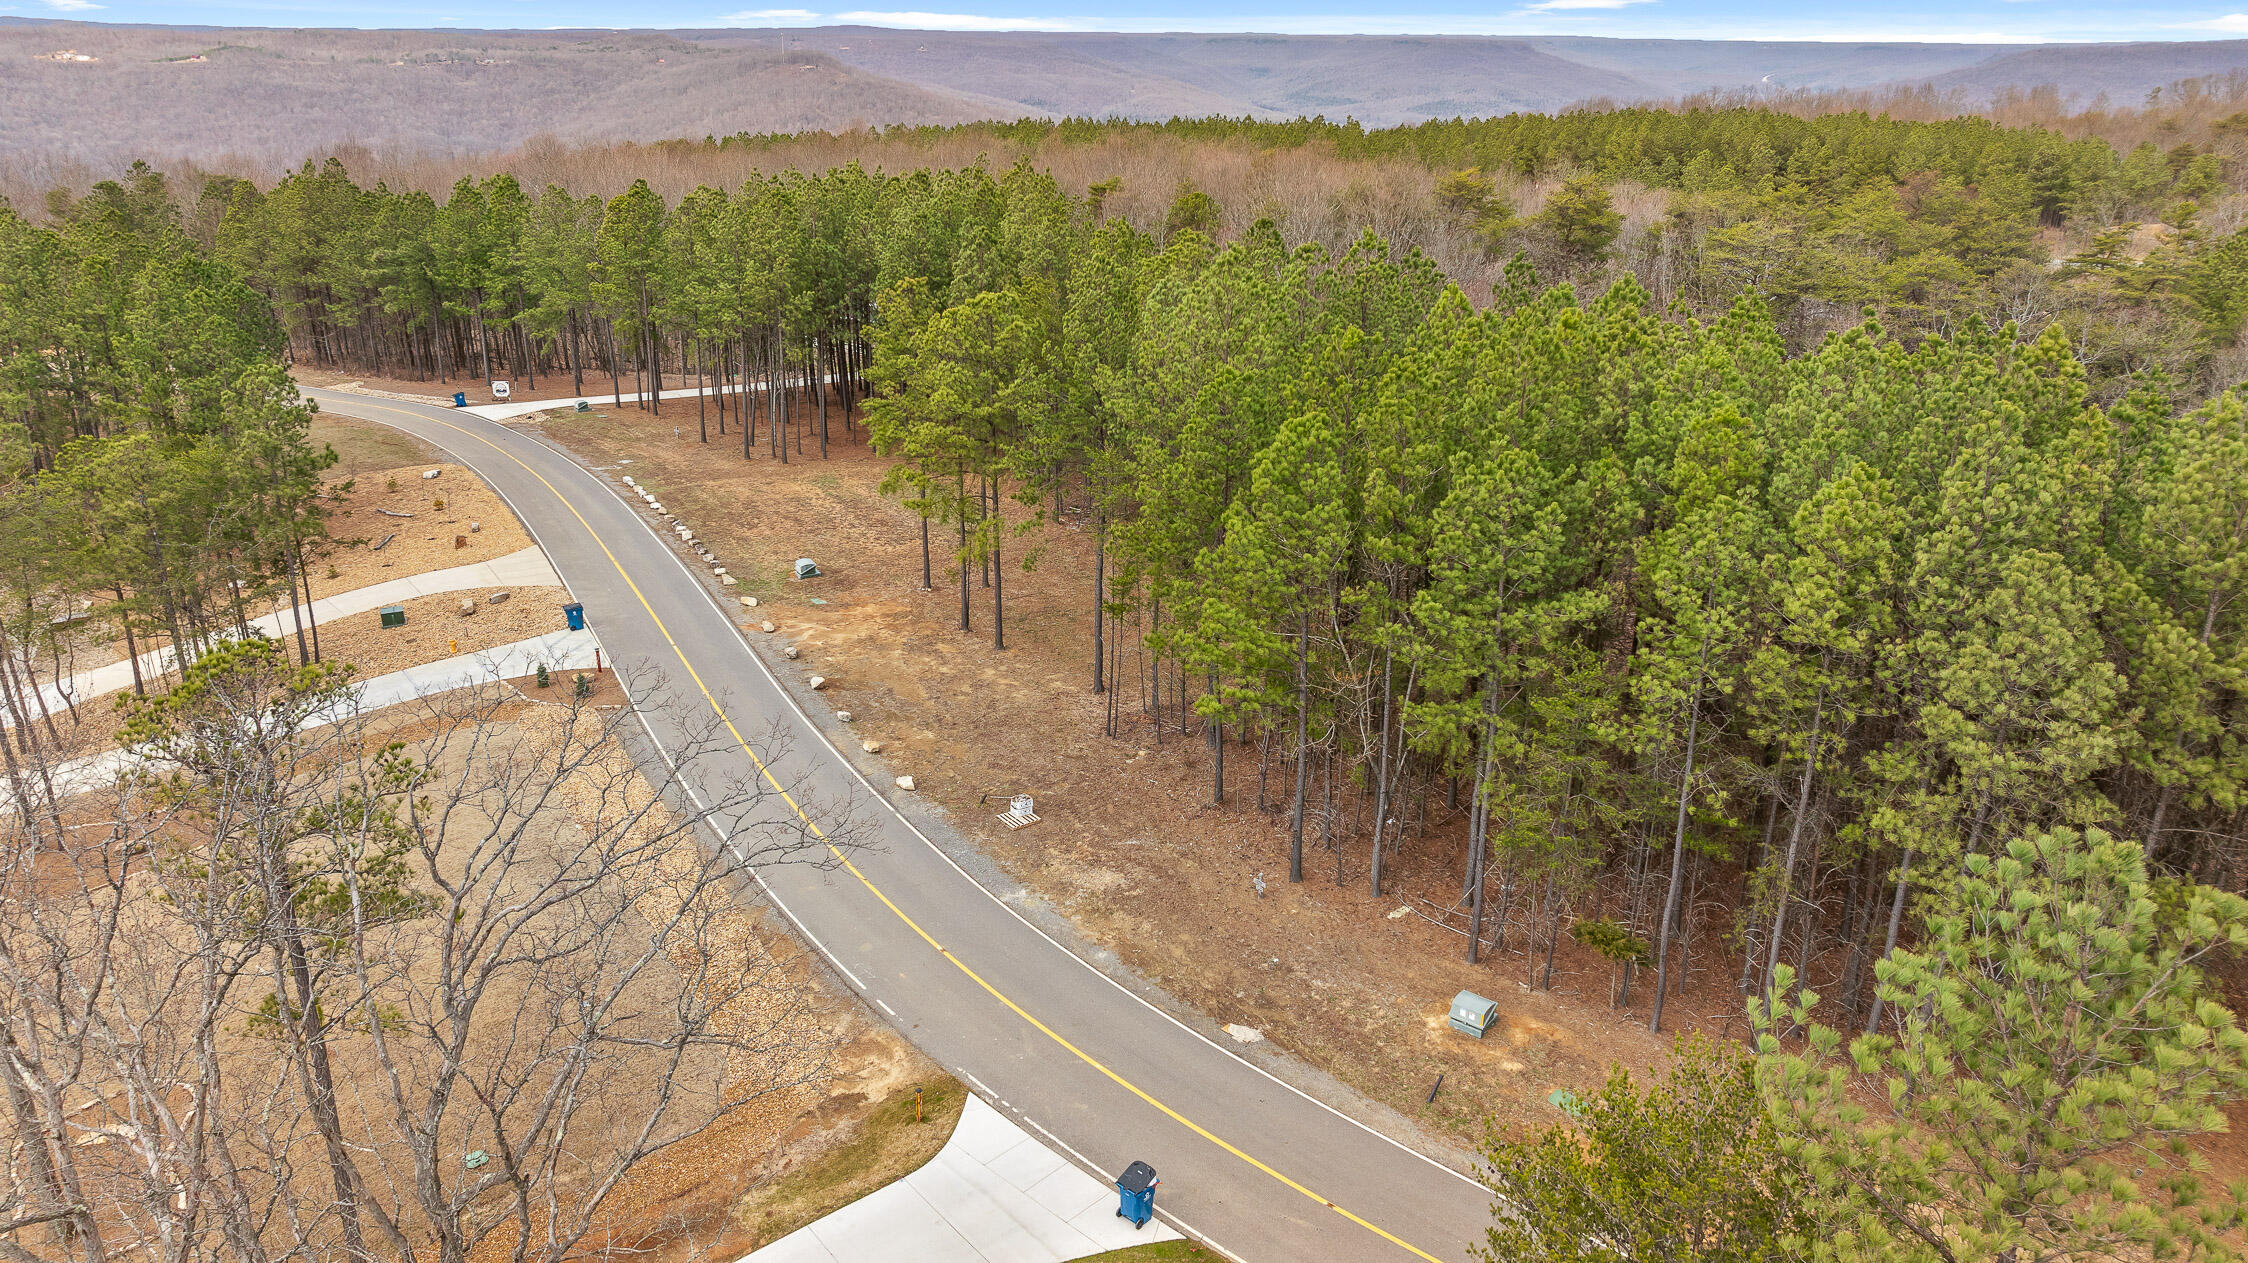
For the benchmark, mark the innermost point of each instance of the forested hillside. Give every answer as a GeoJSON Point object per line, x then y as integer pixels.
{"type": "Point", "coordinates": [265, 98]}
{"type": "Point", "coordinates": [2127, 243]}
{"type": "Point", "coordinates": [1840, 517]}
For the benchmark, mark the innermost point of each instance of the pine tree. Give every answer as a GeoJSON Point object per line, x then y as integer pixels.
{"type": "Point", "coordinates": [2060, 1033]}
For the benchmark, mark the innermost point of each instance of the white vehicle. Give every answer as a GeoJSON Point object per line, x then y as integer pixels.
{"type": "Point", "coordinates": [499, 390]}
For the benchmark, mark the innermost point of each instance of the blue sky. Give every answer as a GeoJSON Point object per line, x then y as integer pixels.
{"type": "Point", "coordinates": [1975, 21]}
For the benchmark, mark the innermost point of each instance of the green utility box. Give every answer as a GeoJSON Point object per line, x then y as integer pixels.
{"type": "Point", "coordinates": [394, 616]}
{"type": "Point", "coordinates": [1473, 1014]}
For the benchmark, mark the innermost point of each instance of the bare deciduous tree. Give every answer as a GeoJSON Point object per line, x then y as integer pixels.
{"type": "Point", "coordinates": [311, 982]}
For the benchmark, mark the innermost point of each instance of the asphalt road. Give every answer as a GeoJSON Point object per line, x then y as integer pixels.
{"type": "Point", "coordinates": [1248, 1163]}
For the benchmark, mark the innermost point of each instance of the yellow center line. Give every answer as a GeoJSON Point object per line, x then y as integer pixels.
{"type": "Point", "coordinates": [875, 890]}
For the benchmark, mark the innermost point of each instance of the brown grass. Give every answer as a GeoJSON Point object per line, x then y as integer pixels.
{"type": "Point", "coordinates": [869, 1145]}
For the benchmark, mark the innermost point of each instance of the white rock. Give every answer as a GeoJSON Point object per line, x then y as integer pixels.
{"type": "Point", "coordinates": [1246, 1034]}
{"type": "Point", "coordinates": [844, 715]}
{"type": "Point", "coordinates": [816, 683]}
{"type": "Point", "coordinates": [475, 527]}
{"type": "Point", "coordinates": [1401, 910]}
{"type": "Point", "coordinates": [790, 653]}
{"type": "Point", "coordinates": [767, 625]}
{"type": "Point", "coordinates": [871, 747]}
{"type": "Point", "coordinates": [468, 606]}
{"type": "Point", "coordinates": [905, 783]}
{"type": "Point", "coordinates": [658, 507]}
{"type": "Point", "coordinates": [750, 601]}
{"type": "Point", "coordinates": [428, 474]}
{"type": "Point", "coordinates": [728, 580]}
{"type": "Point", "coordinates": [497, 597]}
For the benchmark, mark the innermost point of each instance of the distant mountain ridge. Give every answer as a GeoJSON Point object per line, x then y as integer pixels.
{"type": "Point", "coordinates": [1384, 80]}
{"type": "Point", "coordinates": [276, 96]}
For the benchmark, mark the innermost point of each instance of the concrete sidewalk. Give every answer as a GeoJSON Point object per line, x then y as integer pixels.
{"type": "Point", "coordinates": [524, 407]}
{"type": "Point", "coordinates": [993, 1195]}
{"type": "Point", "coordinates": [524, 568]}
{"type": "Point", "coordinates": [560, 652]}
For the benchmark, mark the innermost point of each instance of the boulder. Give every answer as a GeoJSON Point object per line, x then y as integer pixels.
{"type": "Point", "coordinates": [905, 783]}
{"type": "Point", "coordinates": [468, 606]}
{"type": "Point", "coordinates": [767, 625]}
{"type": "Point", "coordinates": [728, 580]}
{"type": "Point", "coordinates": [816, 683]}
{"type": "Point", "coordinates": [871, 747]}
{"type": "Point", "coordinates": [497, 597]}
{"type": "Point", "coordinates": [750, 601]}
{"type": "Point", "coordinates": [428, 474]}
{"type": "Point", "coordinates": [844, 715]}
{"type": "Point", "coordinates": [790, 653]}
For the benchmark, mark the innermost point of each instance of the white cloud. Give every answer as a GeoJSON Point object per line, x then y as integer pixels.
{"type": "Point", "coordinates": [770, 15]}
{"type": "Point", "coordinates": [72, 6]}
{"type": "Point", "coordinates": [1556, 6]}
{"type": "Point", "coordinates": [915, 21]}
{"type": "Point", "coordinates": [2229, 24]}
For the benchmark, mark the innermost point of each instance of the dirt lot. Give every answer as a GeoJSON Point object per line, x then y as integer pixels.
{"type": "Point", "coordinates": [379, 474]}
{"type": "Point", "coordinates": [430, 523]}
{"type": "Point", "coordinates": [435, 629]}
{"type": "Point", "coordinates": [363, 447]}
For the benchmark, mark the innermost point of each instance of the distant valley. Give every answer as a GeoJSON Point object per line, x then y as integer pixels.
{"type": "Point", "coordinates": [95, 95]}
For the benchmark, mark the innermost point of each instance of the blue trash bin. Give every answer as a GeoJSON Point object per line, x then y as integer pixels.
{"type": "Point", "coordinates": [574, 615]}
{"type": "Point", "coordinates": [460, 398]}
{"type": "Point", "coordinates": [1135, 1194]}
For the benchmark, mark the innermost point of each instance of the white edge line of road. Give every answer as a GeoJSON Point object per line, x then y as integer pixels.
{"type": "Point", "coordinates": [695, 582]}
{"type": "Point", "coordinates": [1181, 1224]}
{"type": "Point", "coordinates": [727, 844]}
{"type": "Point", "coordinates": [1084, 1163]}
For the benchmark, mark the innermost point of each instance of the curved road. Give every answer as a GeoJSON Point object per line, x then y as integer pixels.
{"type": "Point", "coordinates": [1249, 1164]}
